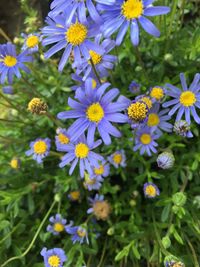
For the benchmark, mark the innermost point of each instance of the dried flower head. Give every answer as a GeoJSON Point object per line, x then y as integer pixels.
{"type": "Point", "coordinates": [37, 106]}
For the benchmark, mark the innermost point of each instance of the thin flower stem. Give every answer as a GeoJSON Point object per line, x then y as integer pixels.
{"type": "Point", "coordinates": [9, 102]}
{"type": "Point", "coordinates": [103, 254]}
{"type": "Point", "coordinates": [52, 118]}
{"type": "Point", "coordinates": [2, 33]}
{"type": "Point", "coordinates": [34, 238]}
{"type": "Point", "coordinates": [196, 264]}
{"type": "Point", "coordinates": [36, 93]}
{"type": "Point", "coordinates": [12, 121]}
{"type": "Point", "coordinates": [95, 71]}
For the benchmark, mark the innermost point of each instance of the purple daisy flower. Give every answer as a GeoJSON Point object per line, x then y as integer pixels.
{"type": "Point", "coordinates": [97, 198]}
{"type": "Point", "coordinates": [102, 63]}
{"type": "Point", "coordinates": [125, 13]}
{"type": "Point", "coordinates": [39, 149]}
{"type": "Point", "coordinates": [11, 63]}
{"type": "Point", "coordinates": [53, 257]}
{"type": "Point", "coordinates": [145, 140]}
{"type": "Point", "coordinates": [81, 151]}
{"type": "Point", "coordinates": [101, 209]}
{"type": "Point", "coordinates": [72, 37]}
{"type": "Point", "coordinates": [31, 42]}
{"type": "Point", "coordinates": [9, 90]}
{"type": "Point", "coordinates": [62, 139]}
{"type": "Point", "coordinates": [134, 87]}
{"type": "Point", "coordinates": [78, 6]}
{"type": "Point", "coordinates": [118, 159]}
{"type": "Point", "coordinates": [151, 190]}
{"type": "Point", "coordinates": [92, 182]}
{"type": "Point", "coordinates": [95, 110]}
{"type": "Point", "coordinates": [103, 170]}
{"type": "Point", "coordinates": [186, 100]}
{"type": "Point", "coordinates": [58, 224]}
{"type": "Point", "coordinates": [79, 234]}
{"type": "Point", "coordinates": [158, 120]}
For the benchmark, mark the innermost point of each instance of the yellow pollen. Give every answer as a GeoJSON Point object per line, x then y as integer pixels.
{"type": "Point", "coordinates": [14, 163]}
{"type": "Point", "coordinates": [54, 261]}
{"type": "Point", "coordinates": [81, 150]}
{"type": "Point", "coordinates": [157, 93]}
{"type": "Point", "coordinates": [10, 61]}
{"type": "Point", "coordinates": [40, 147]}
{"type": "Point", "coordinates": [94, 84]}
{"type": "Point", "coordinates": [75, 195]}
{"type": "Point", "coordinates": [153, 120]}
{"type": "Point", "coordinates": [100, 170]}
{"type": "Point", "coordinates": [150, 190]}
{"type": "Point", "coordinates": [145, 139]}
{"type": "Point", "coordinates": [58, 227]}
{"type": "Point", "coordinates": [132, 9]}
{"type": "Point", "coordinates": [95, 112]}
{"type": "Point", "coordinates": [137, 111]}
{"type": "Point", "coordinates": [147, 101]}
{"type": "Point", "coordinates": [63, 139]}
{"type": "Point", "coordinates": [96, 58]}
{"type": "Point", "coordinates": [81, 233]}
{"type": "Point", "coordinates": [32, 41]}
{"type": "Point", "coordinates": [187, 99]}
{"type": "Point", "coordinates": [76, 34]}
{"type": "Point", "coordinates": [117, 158]}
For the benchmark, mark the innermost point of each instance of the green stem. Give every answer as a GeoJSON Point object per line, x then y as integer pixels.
{"type": "Point", "coordinates": [10, 233]}
{"type": "Point", "coordinates": [95, 71]}
{"type": "Point", "coordinates": [103, 254]}
{"type": "Point", "coordinates": [52, 118]}
{"type": "Point", "coordinates": [196, 264]}
{"type": "Point", "coordinates": [34, 238]}
{"type": "Point", "coordinates": [9, 102]}
{"type": "Point", "coordinates": [141, 63]}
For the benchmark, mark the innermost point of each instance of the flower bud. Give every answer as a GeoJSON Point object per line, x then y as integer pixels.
{"type": "Point", "coordinates": [8, 90]}
{"type": "Point", "coordinates": [111, 231]}
{"type": "Point", "coordinates": [165, 160]}
{"type": "Point", "coordinates": [37, 106]}
{"type": "Point", "coordinates": [182, 128]}
{"type": "Point", "coordinates": [179, 199]}
{"type": "Point", "coordinates": [166, 242]}
{"type": "Point", "coordinates": [168, 57]}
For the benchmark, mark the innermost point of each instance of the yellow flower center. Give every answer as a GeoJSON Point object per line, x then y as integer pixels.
{"type": "Point", "coordinates": [137, 111]}
{"type": "Point", "coordinates": [81, 232]}
{"type": "Point", "coordinates": [96, 58]}
{"type": "Point", "coordinates": [54, 261]}
{"type": "Point", "coordinates": [94, 84]}
{"type": "Point", "coordinates": [58, 227]}
{"type": "Point", "coordinates": [145, 139]}
{"type": "Point", "coordinates": [157, 93]}
{"type": "Point", "coordinates": [95, 112]}
{"type": "Point", "coordinates": [63, 139]}
{"type": "Point", "coordinates": [32, 41]}
{"type": "Point", "coordinates": [81, 150]}
{"type": "Point", "coordinates": [150, 190]}
{"type": "Point", "coordinates": [132, 9]}
{"type": "Point", "coordinates": [147, 101]}
{"type": "Point", "coordinates": [101, 209]}
{"type": "Point", "coordinates": [10, 61]}
{"type": "Point", "coordinates": [117, 158]}
{"type": "Point", "coordinates": [40, 147]}
{"type": "Point", "coordinates": [90, 181]}
{"type": "Point", "coordinates": [100, 170]}
{"type": "Point", "coordinates": [75, 195]}
{"type": "Point", "coordinates": [153, 120]}
{"type": "Point", "coordinates": [187, 99]}
{"type": "Point", "coordinates": [76, 34]}
{"type": "Point", "coordinates": [14, 163]}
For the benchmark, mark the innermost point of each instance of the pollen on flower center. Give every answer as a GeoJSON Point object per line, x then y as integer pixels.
{"type": "Point", "coordinates": [153, 120]}
{"type": "Point", "coordinates": [145, 139]}
{"type": "Point", "coordinates": [147, 101]}
{"type": "Point", "coordinates": [157, 93]}
{"type": "Point", "coordinates": [58, 227]}
{"type": "Point", "coordinates": [150, 190]}
{"type": "Point", "coordinates": [187, 99]}
{"type": "Point", "coordinates": [101, 209]}
{"type": "Point", "coordinates": [63, 139]}
{"type": "Point", "coordinates": [95, 112]}
{"type": "Point", "coordinates": [54, 261]}
{"type": "Point", "coordinates": [81, 232]}
{"type": "Point", "coordinates": [75, 195]}
{"type": "Point", "coordinates": [10, 61]}
{"type": "Point", "coordinates": [94, 84]}
{"type": "Point", "coordinates": [81, 150]}
{"type": "Point", "coordinates": [117, 158]}
{"type": "Point", "coordinates": [99, 171]}
{"type": "Point", "coordinates": [132, 9]}
{"type": "Point", "coordinates": [137, 111]}
{"type": "Point", "coordinates": [40, 147]}
{"type": "Point", "coordinates": [32, 41]}
{"type": "Point", "coordinates": [76, 34]}
{"type": "Point", "coordinates": [96, 58]}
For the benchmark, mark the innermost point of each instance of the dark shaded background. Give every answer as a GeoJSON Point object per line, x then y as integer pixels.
{"type": "Point", "coordinates": [11, 16]}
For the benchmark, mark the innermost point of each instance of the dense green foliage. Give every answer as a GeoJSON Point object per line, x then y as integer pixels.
{"type": "Point", "coordinates": [139, 232]}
